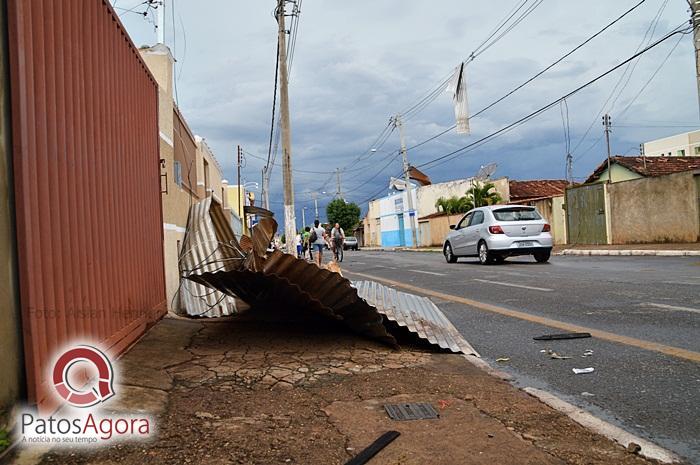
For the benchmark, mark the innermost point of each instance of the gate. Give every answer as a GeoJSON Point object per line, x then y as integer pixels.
{"type": "Point", "coordinates": [585, 215]}
{"type": "Point", "coordinates": [87, 182]}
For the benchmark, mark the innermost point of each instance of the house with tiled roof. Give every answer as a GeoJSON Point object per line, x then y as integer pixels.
{"type": "Point", "coordinates": [627, 168]}
{"type": "Point", "coordinates": [521, 191]}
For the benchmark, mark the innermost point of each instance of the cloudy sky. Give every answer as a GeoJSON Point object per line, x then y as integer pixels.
{"type": "Point", "coordinates": [357, 63]}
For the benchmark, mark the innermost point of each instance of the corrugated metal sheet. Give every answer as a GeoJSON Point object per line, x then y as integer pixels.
{"type": "Point", "coordinates": [417, 314]}
{"type": "Point", "coordinates": [87, 185]}
{"type": "Point", "coordinates": [282, 281]}
{"type": "Point", "coordinates": [208, 246]}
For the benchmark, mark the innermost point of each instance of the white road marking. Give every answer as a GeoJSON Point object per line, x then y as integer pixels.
{"type": "Point", "coordinates": [428, 272]}
{"type": "Point", "coordinates": [685, 283]}
{"type": "Point", "coordinates": [543, 289]}
{"type": "Point", "coordinates": [669, 307]}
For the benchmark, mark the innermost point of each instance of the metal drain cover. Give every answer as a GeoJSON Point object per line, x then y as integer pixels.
{"type": "Point", "coordinates": [415, 411]}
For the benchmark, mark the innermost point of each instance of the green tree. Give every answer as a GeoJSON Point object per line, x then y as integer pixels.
{"type": "Point", "coordinates": [482, 195]}
{"type": "Point", "coordinates": [343, 213]}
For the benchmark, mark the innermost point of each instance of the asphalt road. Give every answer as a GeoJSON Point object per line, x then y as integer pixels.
{"type": "Point", "coordinates": [652, 299]}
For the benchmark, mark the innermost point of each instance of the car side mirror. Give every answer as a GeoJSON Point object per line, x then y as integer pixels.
{"type": "Point", "coordinates": [453, 226]}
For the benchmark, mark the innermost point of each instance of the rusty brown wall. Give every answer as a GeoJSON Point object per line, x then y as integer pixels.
{"type": "Point", "coordinates": [85, 154]}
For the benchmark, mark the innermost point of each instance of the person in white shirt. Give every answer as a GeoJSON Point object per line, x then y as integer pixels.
{"type": "Point", "coordinates": [297, 241]}
{"type": "Point", "coordinates": [320, 242]}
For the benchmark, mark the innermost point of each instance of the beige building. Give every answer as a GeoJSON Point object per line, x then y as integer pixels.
{"type": "Point", "coordinates": [189, 169]}
{"type": "Point", "coordinates": [679, 145]}
{"type": "Point", "coordinates": [428, 195]}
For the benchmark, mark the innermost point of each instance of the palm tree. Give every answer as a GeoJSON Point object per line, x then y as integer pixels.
{"type": "Point", "coordinates": [481, 195]}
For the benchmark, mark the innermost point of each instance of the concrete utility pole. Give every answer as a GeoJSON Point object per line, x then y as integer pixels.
{"type": "Point", "coordinates": [695, 21]}
{"type": "Point", "coordinates": [338, 192]}
{"type": "Point", "coordinates": [160, 21]}
{"type": "Point", "coordinates": [240, 193]}
{"type": "Point", "coordinates": [407, 178]}
{"type": "Point", "coordinates": [606, 124]}
{"type": "Point", "coordinates": [315, 196]}
{"type": "Point", "coordinates": [303, 218]}
{"type": "Point", "coordinates": [290, 221]}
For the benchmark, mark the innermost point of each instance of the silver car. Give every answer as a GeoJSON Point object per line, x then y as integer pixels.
{"type": "Point", "coordinates": [495, 232]}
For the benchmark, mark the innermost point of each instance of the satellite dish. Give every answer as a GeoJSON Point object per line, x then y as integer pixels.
{"type": "Point", "coordinates": [486, 171]}
{"type": "Point", "coordinates": [397, 184]}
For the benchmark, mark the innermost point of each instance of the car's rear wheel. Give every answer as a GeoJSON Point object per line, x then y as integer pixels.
{"type": "Point", "coordinates": [542, 257]}
{"type": "Point", "coordinates": [485, 257]}
{"type": "Point", "coordinates": [449, 255]}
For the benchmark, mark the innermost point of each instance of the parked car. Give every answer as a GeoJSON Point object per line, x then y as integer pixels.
{"type": "Point", "coordinates": [495, 232]}
{"type": "Point", "coordinates": [351, 243]}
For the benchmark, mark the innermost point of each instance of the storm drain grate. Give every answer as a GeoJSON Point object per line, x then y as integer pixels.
{"type": "Point", "coordinates": [416, 411]}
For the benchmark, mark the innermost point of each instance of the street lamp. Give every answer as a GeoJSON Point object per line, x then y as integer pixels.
{"type": "Point", "coordinates": [303, 217]}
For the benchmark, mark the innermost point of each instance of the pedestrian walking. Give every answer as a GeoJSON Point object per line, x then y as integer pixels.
{"type": "Point", "coordinates": [338, 237]}
{"type": "Point", "coordinates": [318, 239]}
{"type": "Point", "coordinates": [297, 242]}
{"type": "Point", "coordinates": [305, 243]}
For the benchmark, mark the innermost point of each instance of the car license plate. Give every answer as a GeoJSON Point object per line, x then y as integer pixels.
{"type": "Point", "coordinates": [526, 244]}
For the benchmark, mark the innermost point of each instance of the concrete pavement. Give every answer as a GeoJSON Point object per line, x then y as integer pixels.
{"type": "Point", "coordinates": [653, 300]}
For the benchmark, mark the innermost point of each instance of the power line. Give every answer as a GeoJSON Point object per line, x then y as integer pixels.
{"type": "Point", "coordinates": [454, 153]}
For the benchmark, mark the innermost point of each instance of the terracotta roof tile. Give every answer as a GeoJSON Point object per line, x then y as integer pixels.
{"type": "Point", "coordinates": [540, 188]}
{"type": "Point", "coordinates": [653, 166]}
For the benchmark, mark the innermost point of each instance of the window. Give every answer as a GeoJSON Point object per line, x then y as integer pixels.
{"type": "Point", "coordinates": [477, 218]}
{"type": "Point", "coordinates": [516, 214]}
{"type": "Point", "coordinates": [680, 153]}
{"type": "Point", "coordinates": [697, 150]}
{"type": "Point", "coordinates": [464, 222]}
{"type": "Point", "coordinates": [177, 168]}
{"type": "Point", "coordinates": [206, 178]}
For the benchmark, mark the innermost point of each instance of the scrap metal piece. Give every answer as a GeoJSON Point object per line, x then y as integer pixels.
{"type": "Point", "coordinates": [417, 314]}
{"type": "Point", "coordinates": [559, 337]}
{"type": "Point", "coordinates": [209, 245]}
{"type": "Point", "coordinates": [412, 411]}
{"type": "Point", "coordinates": [373, 449]}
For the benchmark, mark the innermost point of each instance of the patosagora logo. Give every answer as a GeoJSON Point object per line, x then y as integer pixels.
{"type": "Point", "coordinates": [83, 378]}
{"type": "Point", "coordinates": [77, 396]}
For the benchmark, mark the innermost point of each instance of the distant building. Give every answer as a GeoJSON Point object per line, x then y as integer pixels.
{"type": "Point", "coordinates": [627, 168]}
{"type": "Point", "coordinates": [189, 170]}
{"type": "Point", "coordinates": [679, 145]}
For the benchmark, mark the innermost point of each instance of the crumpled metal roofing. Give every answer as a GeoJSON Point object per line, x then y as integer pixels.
{"type": "Point", "coordinates": [209, 245]}
{"type": "Point", "coordinates": [417, 314]}
{"type": "Point", "coordinates": [284, 283]}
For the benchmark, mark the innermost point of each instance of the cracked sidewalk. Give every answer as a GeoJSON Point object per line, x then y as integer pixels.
{"type": "Point", "coordinates": [246, 392]}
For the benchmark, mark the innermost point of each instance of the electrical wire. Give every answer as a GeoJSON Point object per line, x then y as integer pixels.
{"type": "Point", "coordinates": [444, 158]}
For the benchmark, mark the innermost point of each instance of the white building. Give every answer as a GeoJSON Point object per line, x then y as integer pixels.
{"type": "Point", "coordinates": [679, 145]}
{"type": "Point", "coordinates": [396, 219]}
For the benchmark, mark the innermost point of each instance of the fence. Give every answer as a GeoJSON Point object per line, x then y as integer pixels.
{"type": "Point", "coordinates": [87, 186]}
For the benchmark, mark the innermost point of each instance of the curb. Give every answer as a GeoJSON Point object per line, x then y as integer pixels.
{"type": "Point", "coordinates": [638, 252]}
{"type": "Point", "coordinates": [584, 418]}
{"type": "Point", "coordinates": [602, 427]}
{"type": "Point", "coordinates": [399, 249]}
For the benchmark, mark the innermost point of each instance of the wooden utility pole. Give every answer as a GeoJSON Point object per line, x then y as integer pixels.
{"type": "Point", "coordinates": [290, 221]}
{"type": "Point", "coordinates": [407, 178]}
{"type": "Point", "coordinates": [606, 124]}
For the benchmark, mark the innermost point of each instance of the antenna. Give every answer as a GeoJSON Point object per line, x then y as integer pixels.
{"type": "Point", "coordinates": [486, 171]}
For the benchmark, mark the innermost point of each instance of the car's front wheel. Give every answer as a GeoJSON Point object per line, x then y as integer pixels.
{"type": "Point", "coordinates": [485, 257]}
{"type": "Point", "coordinates": [449, 255]}
{"type": "Point", "coordinates": [542, 257]}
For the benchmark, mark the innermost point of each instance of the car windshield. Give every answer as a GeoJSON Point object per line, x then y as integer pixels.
{"type": "Point", "coordinates": [516, 214]}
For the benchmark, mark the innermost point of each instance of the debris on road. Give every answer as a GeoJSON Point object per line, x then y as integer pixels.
{"type": "Point", "coordinates": [556, 356]}
{"type": "Point", "coordinates": [374, 448]}
{"type": "Point", "coordinates": [503, 359]}
{"type": "Point", "coordinates": [414, 411]}
{"type": "Point", "coordinates": [559, 337]}
{"type": "Point", "coordinates": [580, 371]}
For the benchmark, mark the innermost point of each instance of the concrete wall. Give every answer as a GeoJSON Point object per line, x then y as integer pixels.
{"type": "Point", "coordinates": [439, 227]}
{"type": "Point", "coordinates": [552, 210]}
{"type": "Point", "coordinates": [12, 379]}
{"type": "Point", "coordinates": [428, 195]}
{"type": "Point", "coordinates": [659, 209]}
{"type": "Point", "coordinates": [686, 144]}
